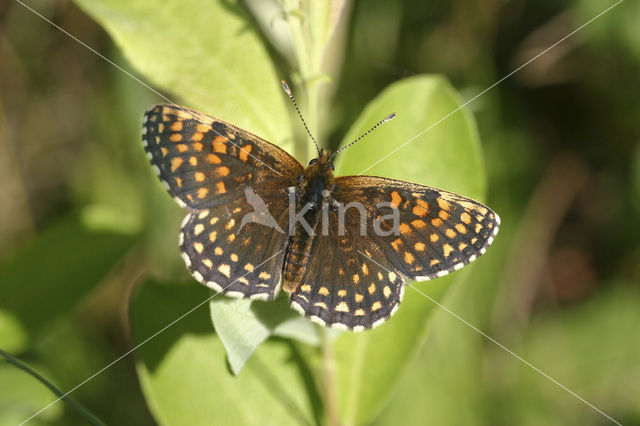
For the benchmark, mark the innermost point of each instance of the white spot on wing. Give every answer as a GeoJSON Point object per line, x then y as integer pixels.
{"type": "Point", "coordinates": [214, 286]}
{"type": "Point", "coordinates": [296, 307]}
{"type": "Point", "coordinates": [180, 202]}
{"type": "Point", "coordinates": [259, 296]}
{"type": "Point", "coordinates": [378, 322]}
{"type": "Point", "coordinates": [186, 259]}
{"type": "Point", "coordinates": [317, 320]}
{"type": "Point", "coordinates": [234, 294]}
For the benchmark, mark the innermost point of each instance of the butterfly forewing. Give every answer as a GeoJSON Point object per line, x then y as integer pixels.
{"type": "Point", "coordinates": [205, 162]}
{"type": "Point", "coordinates": [437, 231]}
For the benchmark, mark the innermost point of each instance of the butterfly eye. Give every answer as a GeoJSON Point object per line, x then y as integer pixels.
{"type": "Point", "coordinates": [331, 166]}
{"type": "Point", "coordinates": [314, 161]}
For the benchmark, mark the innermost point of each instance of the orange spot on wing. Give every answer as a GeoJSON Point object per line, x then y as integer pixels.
{"type": "Point", "coordinates": [213, 159]}
{"type": "Point", "coordinates": [176, 126]}
{"type": "Point", "coordinates": [175, 137]}
{"type": "Point", "coordinates": [244, 152]}
{"type": "Point", "coordinates": [193, 161]}
{"type": "Point", "coordinates": [197, 136]}
{"type": "Point", "coordinates": [419, 211]}
{"type": "Point", "coordinates": [222, 171]}
{"type": "Point", "coordinates": [396, 244]}
{"type": "Point", "coordinates": [396, 199]}
{"type": "Point", "coordinates": [450, 233]}
{"type": "Point", "coordinates": [198, 146]}
{"type": "Point", "coordinates": [202, 192]}
{"type": "Point", "coordinates": [418, 224]}
{"type": "Point", "coordinates": [443, 215]}
{"type": "Point", "coordinates": [175, 163]}
{"type": "Point", "coordinates": [199, 176]}
{"type": "Point", "coordinates": [447, 249]}
{"type": "Point", "coordinates": [444, 205]}
{"type": "Point", "coordinates": [419, 246]}
{"type": "Point", "coordinates": [408, 257]}
{"type": "Point", "coordinates": [219, 145]}
{"type": "Point", "coordinates": [202, 128]}
{"type": "Point", "coordinates": [165, 151]}
{"type": "Point", "coordinates": [182, 147]}
{"type": "Point", "coordinates": [404, 228]}
{"type": "Point", "coordinates": [465, 217]}
{"type": "Point", "coordinates": [436, 222]}
{"type": "Point", "coordinates": [221, 188]}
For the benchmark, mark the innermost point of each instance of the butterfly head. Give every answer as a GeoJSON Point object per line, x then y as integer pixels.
{"type": "Point", "coordinates": [323, 164]}
{"type": "Point", "coordinates": [318, 178]}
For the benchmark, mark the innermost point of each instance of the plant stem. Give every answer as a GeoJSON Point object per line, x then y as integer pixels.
{"type": "Point", "coordinates": [329, 380]}
{"type": "Point", "coordinates": [90, 417]}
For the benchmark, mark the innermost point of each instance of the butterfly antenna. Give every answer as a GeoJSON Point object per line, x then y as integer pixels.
{"type": "Point", "coordinates": [387, 118]}
{"type": "Point", "coordinates": [289, 93]}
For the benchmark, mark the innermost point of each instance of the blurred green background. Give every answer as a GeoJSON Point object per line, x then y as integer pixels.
{"type": "Point", "coordinates": [89, 265]}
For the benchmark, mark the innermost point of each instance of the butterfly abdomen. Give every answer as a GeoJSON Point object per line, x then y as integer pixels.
{"type": "Point", "coordinates": [298, 252]}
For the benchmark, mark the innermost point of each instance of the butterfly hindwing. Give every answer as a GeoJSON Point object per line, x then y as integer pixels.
{"type": "Point", "coordinates": [342, 288]}
{"type": "Point", "coordinates": [236, 258]}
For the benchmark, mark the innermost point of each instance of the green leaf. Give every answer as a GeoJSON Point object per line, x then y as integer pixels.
{"type": "Point", "coordinates": [45, 279]}
{"type": "Point", "coordinates": [448, 156]}
{"type": "Point", "coordinates": [591, 348]}
{"type": "Point", "coordinates": [185, 377]}
{"type": "Point", "coordinates": [24, 396]}
{"type": "Point", "coordinates": [448, 375]}
{"type": "Point", "coordinates": [208, 54]}
{"type": "Point", "coordinates": [244, 325]}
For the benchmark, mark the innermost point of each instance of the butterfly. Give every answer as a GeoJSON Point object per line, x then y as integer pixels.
{"type": "Point", "coordinates": [259, 221]}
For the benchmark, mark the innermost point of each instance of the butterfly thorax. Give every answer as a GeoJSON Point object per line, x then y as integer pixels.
{"type": "Point", "coordinates": [316, 182]}
{"type": "Point", "coordinates": [315, 186]}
